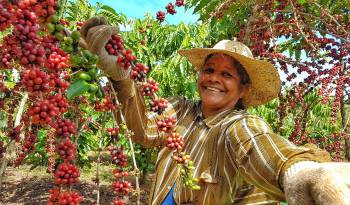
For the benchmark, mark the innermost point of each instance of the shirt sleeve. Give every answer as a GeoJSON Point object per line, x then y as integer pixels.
{"type": "Point", "coordinates": [262, 157]}
{"type": "Point", "coordinates": [142, 123]}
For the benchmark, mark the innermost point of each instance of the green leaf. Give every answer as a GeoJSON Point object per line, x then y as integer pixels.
{"type": "Point", "coordinates": [201, 5]}
{"type": "Point", "coordinates": [77, 88]}
{"type": "Point", "coordinates": [110, 9]}
{"type": "Point", "coordinates": [301, 2]}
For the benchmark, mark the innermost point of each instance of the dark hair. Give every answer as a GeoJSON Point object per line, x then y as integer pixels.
{"type": "Point", "coordinates": [242, 74]}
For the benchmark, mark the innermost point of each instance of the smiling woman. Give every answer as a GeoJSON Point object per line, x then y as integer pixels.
{"type": "Point", "coordinates": [237, 157]}
{"type": "Point", "coordinates": [222, 82]}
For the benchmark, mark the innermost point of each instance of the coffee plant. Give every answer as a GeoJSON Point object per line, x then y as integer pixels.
{"type": "Point", "coordinates": [55, 102]}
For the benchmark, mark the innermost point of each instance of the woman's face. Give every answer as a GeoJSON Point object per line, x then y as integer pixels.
{"type": "Point", "coordinates": [219, 84]}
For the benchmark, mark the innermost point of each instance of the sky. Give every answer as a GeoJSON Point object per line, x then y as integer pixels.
{"type": "Point", "coordinates": [137, 9]}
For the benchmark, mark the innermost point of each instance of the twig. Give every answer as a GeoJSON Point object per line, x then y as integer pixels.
{"type": "Point", "coordinates": [128, 135]}
{"type": "Point", "coordinates": [330, 16]}
{"type": "Point", "coordinates": [99, 161]}
{"type": "Point", "coordinates": [298, 26]}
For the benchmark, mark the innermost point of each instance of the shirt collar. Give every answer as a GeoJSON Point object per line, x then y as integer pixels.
{"type": "Point", "coordinates": [216, 119]}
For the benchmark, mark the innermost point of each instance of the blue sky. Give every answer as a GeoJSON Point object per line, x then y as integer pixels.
{"type": "Point", "coordinates": [137, 9]}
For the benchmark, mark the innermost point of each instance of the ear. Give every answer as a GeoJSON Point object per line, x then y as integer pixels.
{"type": "Point", "coordinates": [244, 90]}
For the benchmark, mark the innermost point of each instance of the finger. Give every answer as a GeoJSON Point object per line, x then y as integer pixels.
{"type": "Point", "coordinates": [82, 43]}
{"type": "Point", "coordinates": [95, 21]}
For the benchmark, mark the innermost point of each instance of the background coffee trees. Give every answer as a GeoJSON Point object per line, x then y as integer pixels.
{"type": "Point", "coordinates": [56, 105]}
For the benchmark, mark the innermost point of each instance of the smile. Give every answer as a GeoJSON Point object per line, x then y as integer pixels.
{"type": "Point", "coordinates": [212, 89]}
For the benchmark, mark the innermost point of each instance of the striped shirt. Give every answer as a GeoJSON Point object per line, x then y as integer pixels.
{"type": "Point", "coordinates": [237, 157]}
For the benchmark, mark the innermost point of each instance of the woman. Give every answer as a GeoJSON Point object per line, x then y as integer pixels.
{"type": "Point", "coordinates": [238, 159]}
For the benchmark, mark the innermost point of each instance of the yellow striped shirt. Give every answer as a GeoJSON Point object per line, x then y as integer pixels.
{"type": "Point", "coordinates": [238, 158]}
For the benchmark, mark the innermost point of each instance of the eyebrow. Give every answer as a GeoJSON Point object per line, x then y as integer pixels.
{"type": "Point", "coordinates": [227, 68]}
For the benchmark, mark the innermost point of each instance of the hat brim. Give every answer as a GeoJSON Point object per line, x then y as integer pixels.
{"type": "Point", "coordinates": [265, 82]}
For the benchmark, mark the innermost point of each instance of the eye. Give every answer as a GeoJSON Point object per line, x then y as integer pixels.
{"type": "Point", "coordinates": [227, 75]}
{"type": "Point", "coordinates": [208, 70]}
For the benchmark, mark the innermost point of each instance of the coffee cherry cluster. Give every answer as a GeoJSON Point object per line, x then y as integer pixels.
{"type": "Point", "coordinates": [170, 9]}
{"type": "Point", "coordinates": [125, 59]}
{"type": "Point", "coordinates": [36, 80]}
{"type": "Point", "coordinates": [43, 9]}
{"type": "Point", "coordinates": [118, 202]}
{"type": "Point", "coordinates": [66, 173]}
{"type": "Point", "coordinates": [66, 149]}
{"type": "Point", "coordinates": [189, 182]}
{"type": "Point", "coordinates": [149, 88]}
{"type": "Point", "coordinates": [60, 102]}
{"type": "Point", "coordinates": [166, 124]}
{"type": "Point", "coordinates": [119, 173]}
{"type": "Point", "coordinates": [2, 149]}
{"type": "Point", "coordinates": [7, 12]}
{"type": "Point", "coordinates": [181, 158]}
{"type": "Point", "coordinates": [58, 60]}
{"type": "Point", "coordinates": [175, 141]}
{"type": "Point", "coordinates": [139, 72]}
{"type": "Point", "coordinates": [65, 128]}
{"type": "Point", "coordinates": [122, 187]}
{"type": "Point", "coordinates": [107, 105]}
{"type": "Point", "coordinates": [180, 3]}
{"type": "Point", "coordinates": [15, 133]}
{"type": "Point", "coordinates": [159, 105]}
{"type": "Point", "coordinates": [42, 112]}
{"type": "Point", "coordinates": [58, 83]}
{"type": "Point", "coordinates": [29, 140]}
{"type": "Point", "coordinates": [115, 45]}
{"type": "Point", "coordinates": [58, 197]}
{"type": "Point", "coordinates": [160, 16]}
{"type": "Point", "coordinates": [113, 131]}
{"type": "Point", "coordinates": [28, 145]}
{"type": "Point", "coordinates": [118, 157]}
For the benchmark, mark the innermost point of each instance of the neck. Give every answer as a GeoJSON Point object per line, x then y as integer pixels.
{"type": "Point", "coordinates": [207, 111]}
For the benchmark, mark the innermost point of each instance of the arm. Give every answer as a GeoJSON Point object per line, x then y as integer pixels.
{"type": "Point", "coordinates": [263, 157]}
{"type": "Point", "coordinates": [141, 122]}
{"type": "Point", "coordinates": [95, 34]}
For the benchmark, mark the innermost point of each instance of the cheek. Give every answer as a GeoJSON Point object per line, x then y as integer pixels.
{"type": "Point", "coordinates": [200, 79]}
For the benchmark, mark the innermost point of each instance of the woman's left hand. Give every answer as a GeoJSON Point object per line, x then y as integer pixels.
{"type": "Point", "coordinates": [324, 184]}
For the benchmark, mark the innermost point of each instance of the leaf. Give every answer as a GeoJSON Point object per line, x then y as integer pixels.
{"type": "Point", "coordinates": [77, 88]}
{"type": "Point", "coordinates": [201, 5]}
{"type": "Point", "coordinates": [110, 9]}
{"type": "Point", "coordinates": [301, 2]}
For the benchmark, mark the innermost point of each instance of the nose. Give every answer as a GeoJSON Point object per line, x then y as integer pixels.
{"type": "Point", "coordinates": [213, 77]}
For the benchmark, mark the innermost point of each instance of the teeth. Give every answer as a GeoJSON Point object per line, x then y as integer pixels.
{"type": "Point", "coordinates": [213, 89]}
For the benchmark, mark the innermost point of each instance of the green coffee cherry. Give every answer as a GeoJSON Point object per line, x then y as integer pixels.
{"type": "Point", "coordinates": [75, 36]}
{"type": "Point", "coordinates": [84, 76]}
{"type": "Point", "coordinates": [54, 19]}
{"type": "Point", "coordinates": [93, 73]}
{"type": "Point", "coordinates": [59, 36]}
{"type": "Point", "coordinates": [59, 27]}
{"type": "Point", "coordinates": [51, 27]}
{"type": "Point", "coordinates": [68, 40]}
{"type": "Point", "coordinates": [93, 88]}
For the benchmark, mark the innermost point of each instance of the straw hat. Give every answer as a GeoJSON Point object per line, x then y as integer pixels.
{"type": "Point", "coordinates": [265, 82]}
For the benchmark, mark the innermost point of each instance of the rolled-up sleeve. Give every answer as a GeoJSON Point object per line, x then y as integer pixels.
{"type": "Point", "coordinates": [262, 156]}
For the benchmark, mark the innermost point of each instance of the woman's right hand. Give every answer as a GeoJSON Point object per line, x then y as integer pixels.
{"type": "Point", "coordinates": [95, 34]}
